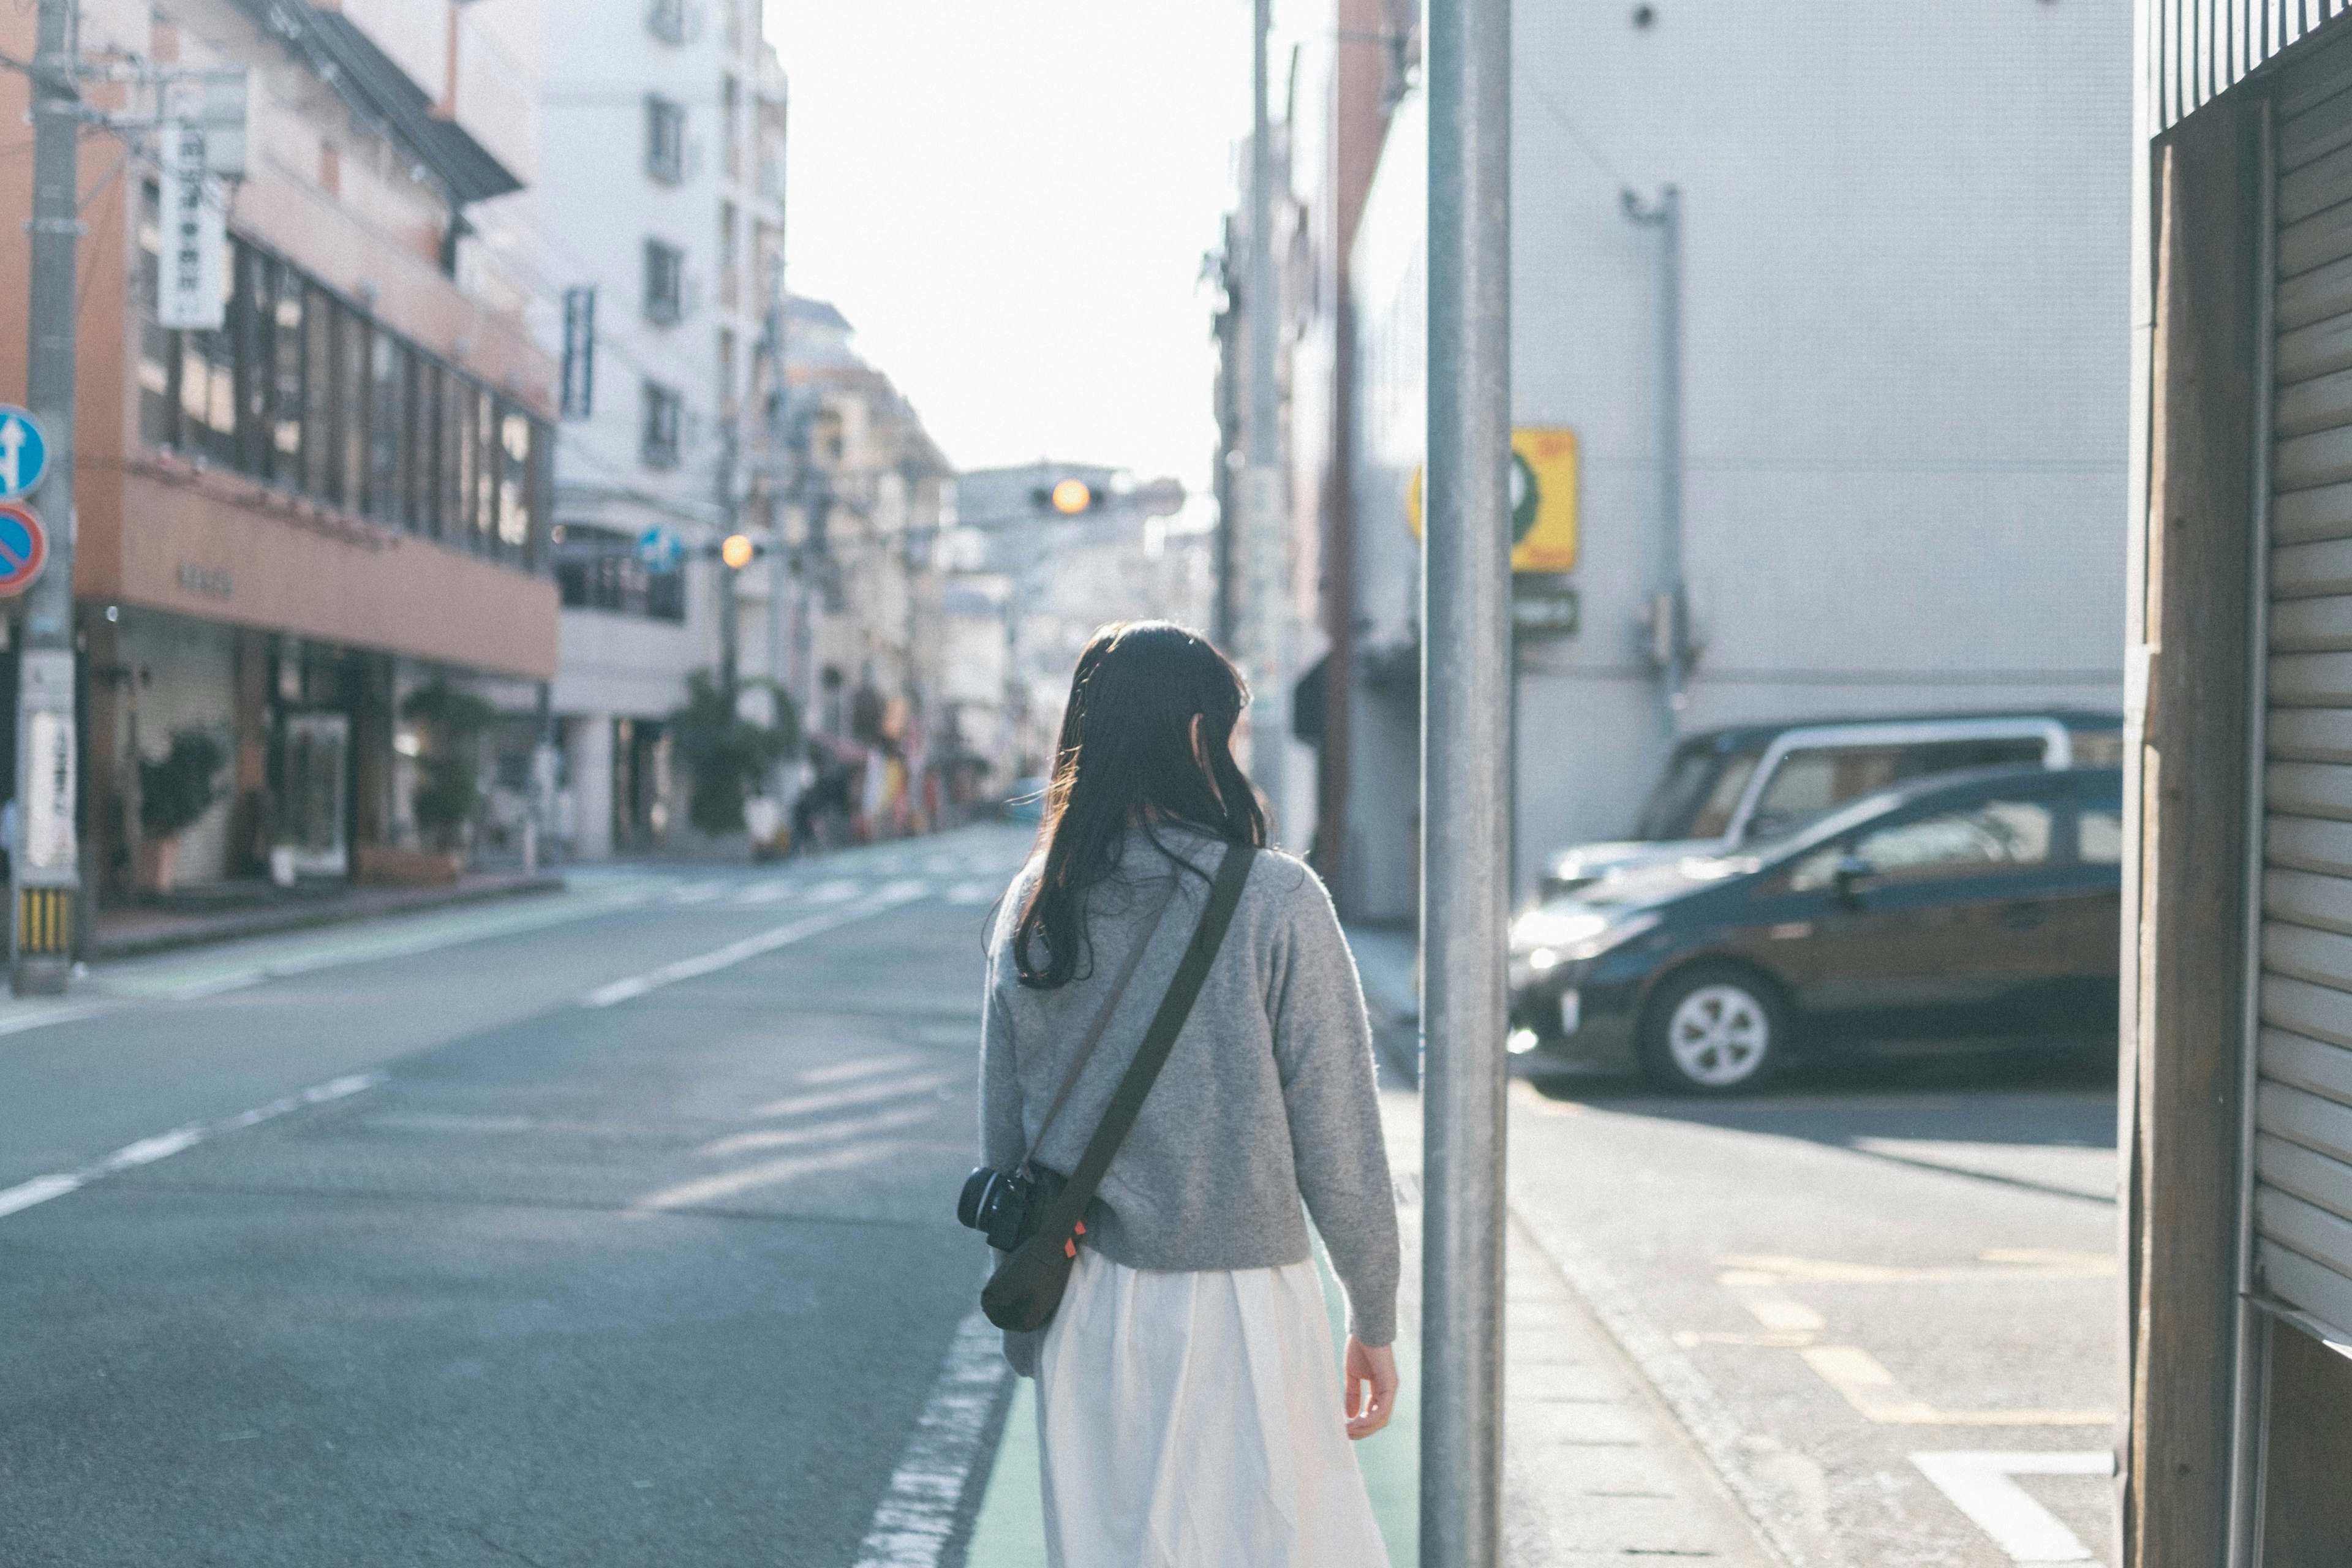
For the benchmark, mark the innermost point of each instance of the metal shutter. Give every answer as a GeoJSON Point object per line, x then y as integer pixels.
{"type": "Point", "coordinates": [2302, 1188]}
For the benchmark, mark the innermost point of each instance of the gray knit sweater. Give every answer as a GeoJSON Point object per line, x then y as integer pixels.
{"type": "Point", "coordinates": [1268, 1097]}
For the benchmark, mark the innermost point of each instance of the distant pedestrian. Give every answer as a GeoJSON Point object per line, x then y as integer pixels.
{"type": "Point", "coordinates": [1187, 1403]}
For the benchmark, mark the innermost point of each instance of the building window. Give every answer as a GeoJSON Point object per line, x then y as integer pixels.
{"type": "Point", "coordinates": [664, 281]}
{"type": "Point", "coordinates": [664, 140]}
{"type": "Point", "coordinates": [665, 19]}
{"type": "Point", "coordinates": [730, 99]}
{"type": "Point", "coordinates": [302, 391]}
{"type": "Point", "coordinates": [659, 443]}
{"type": "Point", "coordinates": [598, 569]}
{"type": "Point", "coordinates": [727, 291]}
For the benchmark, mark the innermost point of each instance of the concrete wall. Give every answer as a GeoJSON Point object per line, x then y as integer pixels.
{"type": "Point", "coordinates": [1903, 366]}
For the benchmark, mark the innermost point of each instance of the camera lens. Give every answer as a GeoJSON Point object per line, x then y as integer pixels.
{"type": "Point", "coordinates": [982, 1194]}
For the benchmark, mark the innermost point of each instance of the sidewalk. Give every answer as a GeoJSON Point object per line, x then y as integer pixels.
{"type": "Point", "coordinates": [261, 909]}
{"type": "Point", "coordinates": [1596, 1466]}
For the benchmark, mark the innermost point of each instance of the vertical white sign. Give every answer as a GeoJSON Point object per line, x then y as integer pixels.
{"type": "Point", "coordinates": [193, 267]}
{"type": "Point", "coordinates": [48, 817]}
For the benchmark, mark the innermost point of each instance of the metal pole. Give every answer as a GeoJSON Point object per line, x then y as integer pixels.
{"type": "Point", "coordinates": [1265, 537]}
{"type": "Point", "coordinates": [1466, 693]}
{"type": "Point", "coordinates": [1670, 606]}
{"type": "Point", "coordinates": [48, 871]}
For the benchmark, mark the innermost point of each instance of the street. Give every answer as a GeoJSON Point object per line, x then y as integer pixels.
{"type": "Point", "coordinates": [613, 1227]}
{"type": "Point", "coordinates": [532, 1279]}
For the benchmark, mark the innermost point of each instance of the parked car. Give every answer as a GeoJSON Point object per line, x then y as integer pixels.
{"type": "Point", "coordinates": [1724, 787]}
{"type": "Point", "coordinates": [1973, 909]}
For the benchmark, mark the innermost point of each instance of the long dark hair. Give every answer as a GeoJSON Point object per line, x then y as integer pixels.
{"type": "Point", "coordinates": [1127, 758]}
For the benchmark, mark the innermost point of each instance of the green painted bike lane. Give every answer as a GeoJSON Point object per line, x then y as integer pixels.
{"type": "Point", "coordinates": [1010, 1530]}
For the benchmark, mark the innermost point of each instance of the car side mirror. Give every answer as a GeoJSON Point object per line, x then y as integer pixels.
{"type": "Point", "coordinates": [1846, 880]}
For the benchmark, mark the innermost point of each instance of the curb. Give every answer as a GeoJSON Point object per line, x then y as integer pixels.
{"type": "Point", "coordinates": [271, 923]}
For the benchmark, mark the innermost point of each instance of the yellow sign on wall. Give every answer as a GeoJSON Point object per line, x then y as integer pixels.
{"type": "Point", "coordinates": [1543, 500]}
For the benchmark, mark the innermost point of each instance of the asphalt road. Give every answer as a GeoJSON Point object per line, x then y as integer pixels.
{"type": "Point", "coordinates": [612, 1228]}
{"type": "Point", "coordinates": [1883, 1299]}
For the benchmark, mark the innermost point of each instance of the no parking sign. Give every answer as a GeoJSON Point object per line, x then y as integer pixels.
{"type": "Point", "coordinates": [23, 549]}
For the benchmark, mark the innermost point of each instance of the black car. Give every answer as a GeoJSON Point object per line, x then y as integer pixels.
{"type": "Point", "coordinates": [1969, 907]}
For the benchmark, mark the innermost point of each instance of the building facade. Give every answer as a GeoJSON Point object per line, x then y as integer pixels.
{"type": "Point", "coordinates": [1900, 414]}
{"type": "Point", "coordinates": [857, 621]}
{"type": "Point", "coordinates": [660, 261]}
{"type": "Point", "coordinates": [291, 523]}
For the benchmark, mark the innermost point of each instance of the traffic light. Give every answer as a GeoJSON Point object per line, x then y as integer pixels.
{"type": "Point", "coordinates": [738, 550]}
{"type": "Point", "coordinates": [1069, 496]}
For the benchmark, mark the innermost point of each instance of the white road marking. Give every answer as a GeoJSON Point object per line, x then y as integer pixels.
{"type": "Point", "coordinates": [39, 1190]}
{"type": "Point", "coordinates": [865, 1094]}
{"type": "Point", "coordinates": [700, 893]}
{"type": "Point", "coordinates": [912, 1523]}
{"type": "Point", "coordinates": [1865, 1383]}
{"type": "Point", "coordinates": [1978, 1484]}
{"type": "Point", "coordinates": [867, 1067]}
{"type": "Point", "coordinates": [972, 893]}
{"type": "Point", "coordinates": [735, 952]}
{"type": "Point", "coordinates": [44, 1017]}
{"type": "Point", "coordinates": [834, 891]}
{"type": "Point", "coordinates": [822, 1132]}
{"type": "Point", "coordinates": [768, 892]}
{"type": "Point", "coordinates": [711, 1189]}
{"type": "Point", "coordinates": [147, 1150]}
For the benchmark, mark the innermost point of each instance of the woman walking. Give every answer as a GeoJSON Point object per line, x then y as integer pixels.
{"type": "Point", "coordinates": [1188, 1409]}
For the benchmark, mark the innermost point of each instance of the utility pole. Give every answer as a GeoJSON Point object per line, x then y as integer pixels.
{"type": "Point", "coordinates": [1670, 605]}
{"type": "Point", "coordinates": [45, 860]}
{"type": "Point", "coordinates": [1466, 694]}
{"type": "Point", "coordinates": [1263, 534]}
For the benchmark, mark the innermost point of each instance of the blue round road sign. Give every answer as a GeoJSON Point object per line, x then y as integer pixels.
{"type": "Point", "coordinates": [660, 549]}
{"type": "Point", "coordinates": [23, 549]}
{"type": "Point", "coordinates": [24, 452]}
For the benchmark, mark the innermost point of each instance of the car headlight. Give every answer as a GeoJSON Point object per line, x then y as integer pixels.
{"type": "Point", "coordinates": [1546, 939]}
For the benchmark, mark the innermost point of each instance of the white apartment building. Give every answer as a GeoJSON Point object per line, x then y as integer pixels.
{"type": "Point", "coordinates": [661, 216]}
{"type": "Point", "coordinates": [1903, 369]}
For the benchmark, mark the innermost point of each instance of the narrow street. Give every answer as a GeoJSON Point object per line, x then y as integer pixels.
{"type": "Point", "coordinates": [613, 1227]}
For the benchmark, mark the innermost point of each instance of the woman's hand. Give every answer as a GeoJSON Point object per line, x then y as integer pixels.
{"type": "Point", "coordinates": [1371, 1379]}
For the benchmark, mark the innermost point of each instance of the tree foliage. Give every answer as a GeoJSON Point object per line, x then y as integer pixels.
{"type": "Point", "coordinates": [727, 754]}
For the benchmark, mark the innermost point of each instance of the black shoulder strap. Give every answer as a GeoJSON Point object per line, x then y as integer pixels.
{"type": "Point", "coordinates": [1224, 895]}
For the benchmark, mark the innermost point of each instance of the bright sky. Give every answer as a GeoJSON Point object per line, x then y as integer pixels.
{"type": "Point", "coordinates": [1010, 202]}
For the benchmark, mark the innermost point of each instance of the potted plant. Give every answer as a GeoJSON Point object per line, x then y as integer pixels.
{"type": "Point", "coordinates": [449, 787]}
{"type": "Point", "coordinates": [174, 792]}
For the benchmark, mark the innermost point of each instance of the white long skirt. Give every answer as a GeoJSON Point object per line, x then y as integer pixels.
{"type": "Point", "coordinates": [1193, 1420]}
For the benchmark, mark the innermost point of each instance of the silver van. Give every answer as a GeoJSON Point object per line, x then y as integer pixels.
{"type": "Point", "coordinates": [1726, 788]}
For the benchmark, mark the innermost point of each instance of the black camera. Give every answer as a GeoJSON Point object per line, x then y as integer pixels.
{"type": "Point", "coordinates": [996, 1202]}
{"type": "Point", "coordinates": [1006, 1204]}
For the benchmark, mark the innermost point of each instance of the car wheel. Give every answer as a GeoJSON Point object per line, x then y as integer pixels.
{"type": "Point", "coordinates": [1714, 1031]}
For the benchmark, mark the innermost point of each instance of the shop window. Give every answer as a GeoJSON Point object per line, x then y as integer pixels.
{"type": "Point", "coordinates": [665, 19]}
{"type": "Point", "coordinates": [386, 397]}
{"type": "Point", "coordinates": [300, 390]}
{"type": "Point", "coordinates": [514, 470]}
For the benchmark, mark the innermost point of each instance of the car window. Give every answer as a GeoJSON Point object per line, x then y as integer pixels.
{"type": "Point", "coordinates": [2099, 838]}
{"type": "Point", "coordinates": [1713, 817]}
{"type": "Point", "coordinates": [1696, 798]}
{"type": "Point", "coordinates": [1810, 781]}
{"type": "Point", "coordinates": [1988, 836]}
